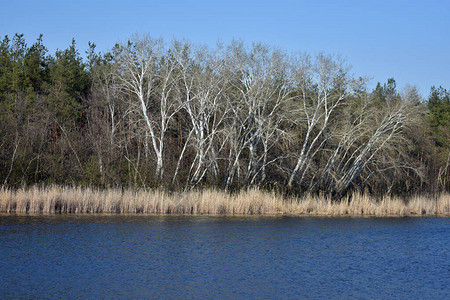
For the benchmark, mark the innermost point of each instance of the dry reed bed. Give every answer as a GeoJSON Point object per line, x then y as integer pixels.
{"type": "Point", "coordinates": [81, 200]}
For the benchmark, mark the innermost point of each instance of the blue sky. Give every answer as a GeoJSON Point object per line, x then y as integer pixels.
{"type": "Point", "coordinates": [407, 40]}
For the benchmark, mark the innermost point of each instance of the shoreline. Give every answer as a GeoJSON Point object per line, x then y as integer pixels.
{"type": "Point", "coordinates": [87, 201]}
{"type": "Point", "coordinates": [263, 215]}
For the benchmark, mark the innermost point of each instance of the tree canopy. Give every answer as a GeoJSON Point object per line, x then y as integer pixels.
{"type": "Point", "coordinates": [180, 116]}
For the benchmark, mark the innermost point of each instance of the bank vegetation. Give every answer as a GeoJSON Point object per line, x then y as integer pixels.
{"type": "Point", "coordinates": [154, 118]}
{"type": "Point", "coordinates": [212, 202]}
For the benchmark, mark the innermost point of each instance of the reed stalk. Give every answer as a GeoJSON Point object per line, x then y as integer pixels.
{"type": "Point", "coordinates": [55, 199]}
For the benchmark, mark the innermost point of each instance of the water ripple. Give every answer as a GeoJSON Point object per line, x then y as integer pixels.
{"type": "Point", "coordinates": [223, 257]}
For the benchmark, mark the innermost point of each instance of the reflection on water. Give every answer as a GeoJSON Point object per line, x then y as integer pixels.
{"type": "Point", "coordinates": [133, 256]}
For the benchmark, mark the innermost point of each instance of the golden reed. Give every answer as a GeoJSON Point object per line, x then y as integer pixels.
{"type": "Point", "coordinates": [87, 200]}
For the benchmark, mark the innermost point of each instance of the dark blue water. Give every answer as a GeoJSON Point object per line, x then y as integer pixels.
{"type": "Point", "coordinates": [223, 257]}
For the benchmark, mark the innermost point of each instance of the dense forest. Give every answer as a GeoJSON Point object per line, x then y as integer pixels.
{"type": "Point", "coordinates": [180, 116]}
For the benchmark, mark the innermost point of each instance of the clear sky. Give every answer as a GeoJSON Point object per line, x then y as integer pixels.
{"type": "Point", "coordinates": [407, 40]}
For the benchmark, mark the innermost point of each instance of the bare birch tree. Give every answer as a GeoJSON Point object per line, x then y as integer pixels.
{"type": "Point", "coordinates": [146, 74]}
{"type": "Point", "coordinates": [366, 140]}
{"type": "Point", "coordinates": [323, 85]}
{"type": "Point", "coordinates": [259, 108]}
{"type": "Point", "coordinates": [202, 100]}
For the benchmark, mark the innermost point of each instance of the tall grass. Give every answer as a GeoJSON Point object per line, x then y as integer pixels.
{"type": "Point", "coordinates": [56, 199]}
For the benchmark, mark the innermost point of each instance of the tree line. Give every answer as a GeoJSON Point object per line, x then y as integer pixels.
{"type": "Point", "coordinates": [179, 116]}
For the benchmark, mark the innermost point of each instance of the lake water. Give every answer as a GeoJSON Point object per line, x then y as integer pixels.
{"type": "Point", "coordinates": [223, 257]}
